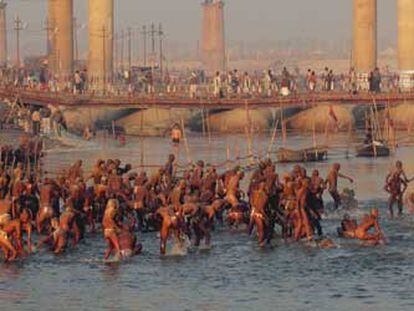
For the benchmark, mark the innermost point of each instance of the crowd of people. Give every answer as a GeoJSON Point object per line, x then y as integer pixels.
{"type": "Point", "coordinates": [196, 83]}
{"type": "Point", "coordinates": [32, 120]}
{"type": "Point", "coordinates": [119, 202]}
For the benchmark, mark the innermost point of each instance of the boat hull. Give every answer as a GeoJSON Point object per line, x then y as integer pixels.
{"type": "Point", "coordinates": [300, 156]}
{"type": "Point", "coordinates": [373, 152]}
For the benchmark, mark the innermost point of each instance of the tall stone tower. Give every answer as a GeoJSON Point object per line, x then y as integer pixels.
{"type": "Point", "coordinates": [365, 39]}
{"type": "Point", "coordinates": [101, 44]}
{"type": "Point", "coordinates": [213, 54]}
{"type": "Point", "coordinates": [405, 9]}
{"type": "Point", "coordinates": [3, 35]}
{"type": "Point", "coordinates": [60, 36]}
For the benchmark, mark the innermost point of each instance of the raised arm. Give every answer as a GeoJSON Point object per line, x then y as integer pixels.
{"type": "Point", "coordinates": [345, 177]}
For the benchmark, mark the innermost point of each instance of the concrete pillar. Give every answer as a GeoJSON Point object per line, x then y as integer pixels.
{"type": "Point", "coordinates": [101, 44]}
{"type": "Point", "coordinates": [51, 36]}
{"type": "Point", "coordinates": [405, 9]}
{"type": "Point", "coordinates": [60, 30]}
{"type": "Point", "coordinates": [213, 42]}
{"type": "Point", "coordinates": [364, 39]}
{"type": "Point", "coordinates": [3, 35]}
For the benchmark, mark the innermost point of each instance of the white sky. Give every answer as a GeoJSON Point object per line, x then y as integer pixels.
{"type": "Point", "coordinates": [246, 20]}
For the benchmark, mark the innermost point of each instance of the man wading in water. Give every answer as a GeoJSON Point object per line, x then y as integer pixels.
{"type": "Point", "coordinates": [332, 182]}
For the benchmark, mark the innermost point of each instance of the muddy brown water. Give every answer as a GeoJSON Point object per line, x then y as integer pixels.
{"type": "Point", "coordinates": [234, 274]}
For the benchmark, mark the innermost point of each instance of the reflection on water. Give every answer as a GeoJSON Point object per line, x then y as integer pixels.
{"type": "Point", "coordinates": [234, 274]}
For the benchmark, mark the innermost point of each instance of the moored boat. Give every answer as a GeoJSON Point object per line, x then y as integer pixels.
{"type": "Point", "coordinates": [314, 154]}
{"type": "Point", "coordinates": [374, 150]}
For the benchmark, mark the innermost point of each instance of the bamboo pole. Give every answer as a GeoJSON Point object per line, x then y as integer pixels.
{"type": "Point", "coordinates": [375, 125]}
{"type": "Point", "coordinates": [113, 130]}
{"type": "Point", "coordinates": [142, 142]}
{"type": "Point", "coordinates": [348, 144]}
{"type": "Point", "coordinates": [284, 130]}
{"type": "Point", "coordinates": [314, 133]}
{"type": "Point", "coordinates": [227, 154]}
{"type": "Point", "coordinates": [237, 152]}
{"type": "Point", "coordinates": [249, 133]}
{"type": "Point", "coordinates": [203, 123]}
{"type": "Point", "coordinates": [187, 148]}
{"type": "Point", "coordinates": [208, 126]}
{"type": "Point", "coordinates": [272, 139]}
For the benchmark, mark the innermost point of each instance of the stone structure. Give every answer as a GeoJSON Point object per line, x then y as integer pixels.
{"type": "Point", "coordinates": [320, 119]}
{"type": "Point", "coordinates": [405, 10]}
{"type": "Point", "coordinates": [3, 34]}
{"type": "Point", "coordinates": [364, 56]}
{"type": "Point", "coordinates": [60, 30]}
{"type": "Point", "coordinates": [213, 42]}
{"type": "Point", "coordinates": [101, 44]}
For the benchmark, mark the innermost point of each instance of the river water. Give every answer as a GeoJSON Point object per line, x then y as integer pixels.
{"type": "Point", "coordinates": [234, 274]}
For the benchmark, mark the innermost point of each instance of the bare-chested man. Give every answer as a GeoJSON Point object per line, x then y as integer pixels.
{"type": "Point", "coordinates": [61, 235]}
{"type": "Point", "coordinates": [10, 253]}
{"type": "Point", "coordinates": [317, 187]}
{"type": "Point", "coordinates": [209, 184]}
{"type": "Point", "coordinates": [170, 222]}
{"type": "Point", "coordinates": [399, 171]}
{"type": "Point", "coordinates": [98, 171]}
{"type": "Point", "coordinates": [303, 226]}
{"type": "Point", "coordinates": [258, 217]}
{"type": "Point", "coordinates": [368, 222]}
{"type": "Point", "coordinates": [177, 195]}
{"type": "Point", "coordinates": [233, 189]}
{"type": "Point", "coordinates": [128, 243]}
{"type": "Point", "coordinates": [170, 170]}
{"type": "Point", "coordinates": [140, 196]}
{"type": "Point", "coordinates": [348, 225]}
{"type": "Point", "coordinates": [197, 176]}
{"type": "Point", "coordinates": [332, 182]}
{"type": "Point", "coordinates": [26, 222]}
{"type": "Point", "coordinates": [111, 228]}
{"type": "Point", "coordinates": [75, 171]}
{"type": "Point", "coordinates": [45, 213]}
{"type": "Point", "coordinates": [396, 187]}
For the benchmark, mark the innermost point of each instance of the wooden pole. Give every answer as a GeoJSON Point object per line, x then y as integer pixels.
{"type": "Point", "coordinates": [113, 130]}
{"type": "Point", "coordinates": [187, 148]}
{"type": "Point", "coordinates": [237, 152]}
{"type": "Point", "coordinates": [272, 139]}
{"type": "Point", "coordinates": [227, 154]}
{"type": "Point", "coordinates": [203, 123]}
{"type": "Point", "coordinates": [248, 130]}
{"type": "Point", "coordinates": [283, 123]}
{"type": "Point", "coordinates": [349, 139]}
{"type": "Point", "coordinates": [314, 133]}
{"type": "Point", "coordinates": [208, 125]}
{"type": "Point", "coordinates": [142, 143]}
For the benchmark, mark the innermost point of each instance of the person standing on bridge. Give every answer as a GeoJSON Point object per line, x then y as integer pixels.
{"type": "Point", "coordinates": [78, 83]}
{"type": "Point", "coordinates": [36, 119]}
{"type": "Point", "coordinates": [312, 82]}
{"type": "Point", "coordinates": [217, 85]}
{"type": "Point", "coordinates": [193, 85]}
{"type": "Point", "coordinates": [376, 80]}
{"type": "Point", "coordinates": [247, 84]}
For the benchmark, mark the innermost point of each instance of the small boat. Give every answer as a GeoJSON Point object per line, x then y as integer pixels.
{"type": "Point", "coordinates": [315, 154]}
{"type": "Point", "coordinates": [374, 150]}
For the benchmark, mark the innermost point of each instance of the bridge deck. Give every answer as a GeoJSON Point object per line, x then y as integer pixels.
{"type": "Point", "coordinates": [68, 100]}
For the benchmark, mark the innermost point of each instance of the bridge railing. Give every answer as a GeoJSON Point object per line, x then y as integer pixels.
{"type": "Point", "coordinates": [203, 96]}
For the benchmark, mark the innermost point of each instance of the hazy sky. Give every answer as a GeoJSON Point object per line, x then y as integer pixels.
{"type": "Point", "coordinates": [248, 20]}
